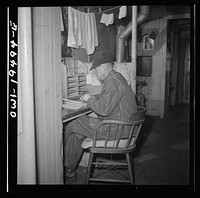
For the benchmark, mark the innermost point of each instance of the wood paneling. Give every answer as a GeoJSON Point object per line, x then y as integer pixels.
{"type": "Point", "coordinates": [26, 159]}
{"type": "Point", "coordinates": [156, 83]}
{"type": "Point", "coordinates": [48, 93]}
{"type": "Point", "coordinates": [160, 25]}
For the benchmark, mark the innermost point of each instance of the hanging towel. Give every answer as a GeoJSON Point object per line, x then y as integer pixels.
{"type": "Point", "coordinates": [82, 30]}
{"type": "Point", "coordinates": [104, 18]}
{"type": "Point", "coordinates": [107, 19]}
{"type": "Point", "coordinates": [74, 28]}
{"type": "Point", "coordinates": [110, 19]}
{"type": "Point", "coordinates": [122, 12]}
{"type": "Point", "coordinates": [91, 34]}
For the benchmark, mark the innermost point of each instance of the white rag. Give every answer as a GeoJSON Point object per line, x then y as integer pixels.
{"type": "Point", "coordinates": [107, 19]}
{"type": "Point", "coordinates": [90, 39]}
{"type": "Point", "coordinates": [122, 12]}
{"type": "Point", "coordinates": [74, 31]}
{"type": "Point", "coordinates": [82, 30]}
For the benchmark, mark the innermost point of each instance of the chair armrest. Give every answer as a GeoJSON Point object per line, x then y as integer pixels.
{"type": "Point", "coordinates": [113, 122]}
{"type": "Point", "coordinates": [117, 122]}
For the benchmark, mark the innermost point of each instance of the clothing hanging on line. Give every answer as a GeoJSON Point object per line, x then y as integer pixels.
{"type": "Point", "coordinates": [82, 30]}
{"type": "Point", "coordinates": [89, 32]}
{"type": "Point", "coordinates": [122, 12]}
{"type": "Point", "coordinates": [107, 19]}
{"type": "Point", "coordinates": [74, 30]}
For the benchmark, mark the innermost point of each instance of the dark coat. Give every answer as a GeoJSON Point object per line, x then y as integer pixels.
{"type": "Point", "coordinates": [115, 102]}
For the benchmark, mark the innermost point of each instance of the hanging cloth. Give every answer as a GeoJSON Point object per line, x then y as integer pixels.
{"type": "Point", "coordinates": [82, 30]}
{"type": "Point", "coordinates": [122, 12]}
{"type": "Point", "coordinates": [107, 19]}
{"type": "Point", "coordinates": [93, 37]}
{"type": "Point", "coordinates": [89, 32]}
{"type": "Point", "coordinates": [74, 28]}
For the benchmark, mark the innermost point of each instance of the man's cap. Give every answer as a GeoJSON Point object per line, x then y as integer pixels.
{"type": "Point", "coordinates": [101, 57]}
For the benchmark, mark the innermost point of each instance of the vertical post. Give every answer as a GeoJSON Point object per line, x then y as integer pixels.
{"type": "Point", "coordinates": [26, 165]}
{"type": "Point", "coordinates": [133, 50]}
{"type": "Point", "coordinates": [48, 94]}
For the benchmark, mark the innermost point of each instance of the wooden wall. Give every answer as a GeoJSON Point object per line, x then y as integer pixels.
{"type": "Point", "coordinates": [26, 159]}
{"type": "Point", "coordinates": [155, 90]}
{"type": "Point", "coordinates": [48, 93]}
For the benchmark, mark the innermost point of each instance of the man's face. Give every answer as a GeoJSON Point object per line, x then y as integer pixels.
{"type": "Point", "coordinates": [100, 72]}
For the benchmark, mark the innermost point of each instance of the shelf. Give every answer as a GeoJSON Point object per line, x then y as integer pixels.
{"type": "Point", "coordinates": [76, 85]}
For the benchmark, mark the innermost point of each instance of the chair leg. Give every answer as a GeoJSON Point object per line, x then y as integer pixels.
{"type": "Point", "coordinates": [130, 168]}
{"type": "Point", "coordinates": [89, 168]}
{"type": "Point", "coordinates": [133, 166]}
{"type": "Point", "coordinates": [93, 166]}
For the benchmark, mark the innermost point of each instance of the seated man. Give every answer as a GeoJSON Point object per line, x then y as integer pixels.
{"type": "Point", "coordinates": [115, 102]}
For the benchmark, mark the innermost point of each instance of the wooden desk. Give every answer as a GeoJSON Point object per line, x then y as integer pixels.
{"type": "Point", "coordinates": [69, 114]}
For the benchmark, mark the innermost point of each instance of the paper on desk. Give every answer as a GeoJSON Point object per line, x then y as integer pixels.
{"type": "Point", "coordinates": [72, 104]}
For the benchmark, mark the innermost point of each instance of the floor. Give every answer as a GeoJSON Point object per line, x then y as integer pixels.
{"type": "Point", "coordinates": [163, 150]}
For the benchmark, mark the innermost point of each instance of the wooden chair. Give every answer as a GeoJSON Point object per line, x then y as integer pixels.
{"type": "Point", "coordinates": [117, 146]}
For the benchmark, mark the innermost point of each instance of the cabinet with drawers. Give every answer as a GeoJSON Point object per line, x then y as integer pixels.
{"type": "Point", "coordinates": [76, 85]}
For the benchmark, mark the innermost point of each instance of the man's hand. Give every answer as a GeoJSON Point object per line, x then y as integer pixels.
{"type": "Point", "coordinates": [85, 97]}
